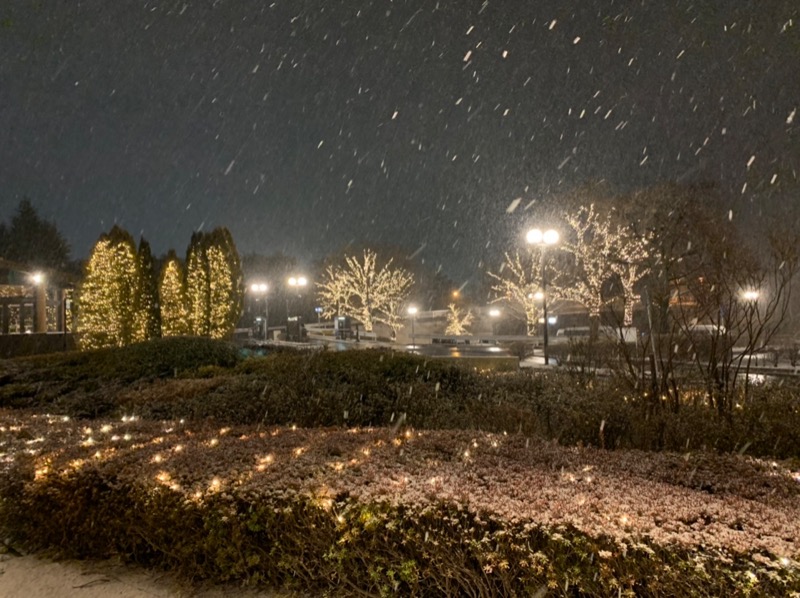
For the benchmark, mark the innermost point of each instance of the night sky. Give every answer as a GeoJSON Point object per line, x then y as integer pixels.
{"type": "Point", "coordinates": [303, 126]}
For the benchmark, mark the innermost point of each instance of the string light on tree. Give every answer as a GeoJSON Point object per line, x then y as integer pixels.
{"type": "Point", "coordinates": [111, 277]}
{"type": "Point", "coordinates": [458, 321]}
{"type": "Point", "coordinates": [172, 295]}
{"type": "Point", "coordinates": [363, 290]}
{"type": "Point", "coordinates": [517, 283]}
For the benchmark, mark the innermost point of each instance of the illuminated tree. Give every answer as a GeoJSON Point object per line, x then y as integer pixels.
{"type": "Point", "coordinates": [390, 311]}
{"type": "Point", "coordinates": [198, 286]}
{"type": "Point", "coordinates": [457, 321]}
{"type": "Point", "coordinates": [334, 293]}
{"type": "Point", "coordinates": [226, 284]}
{"type": "Point", "coordinates": [631, 265]}
{"type": "Point", "coordinates": [111, 278]}
{"type": "Point", "coordinates": [592, 247]}
{"type": "Point", "coordinates": [147, 317]}
{"type": "Point", "coordinates": [362, 290]}
{"type": "Point", "coordinates": [172, 294]}
{"type": "Point", "coordinates": [518, 283]}
{"type": "Point", "coordinates": [214, 284]}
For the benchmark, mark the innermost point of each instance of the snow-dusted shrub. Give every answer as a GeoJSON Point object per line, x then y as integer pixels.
{"type": "Point", "coordinates": [400, 512]}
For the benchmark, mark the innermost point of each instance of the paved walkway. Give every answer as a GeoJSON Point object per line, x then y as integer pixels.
{"type": "Point", "coordinates": [34, 577]}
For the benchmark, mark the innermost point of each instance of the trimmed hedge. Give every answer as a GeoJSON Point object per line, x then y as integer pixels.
{"type": "Point", "coordinates": [298, 528]}
{"type": "Point", "coordinates": [83, 383]}
{"type": "Point", "coordinates": [381, 388]}
{"type": "Point", "coordinates": [368, 549]}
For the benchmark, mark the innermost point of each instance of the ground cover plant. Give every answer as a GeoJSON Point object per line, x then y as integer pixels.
{"type": "Point", "coordinates": [378, 472]}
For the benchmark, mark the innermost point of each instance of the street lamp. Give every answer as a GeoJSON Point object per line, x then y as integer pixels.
{"type": "Point", "coordinates": [412, 311]}
{"type": "Point", "coordinates": [543, 239]}
{"type": "Point", "coordinates": [39, 302]}
{"type": "Point", "coordinates": [296, 282]}
{"type": "Point", "coordinates": [750, 295]}
{"type": "Point", "coordinates": [261, 288]}
{"type": "Point", "coordinates": [494, 313]}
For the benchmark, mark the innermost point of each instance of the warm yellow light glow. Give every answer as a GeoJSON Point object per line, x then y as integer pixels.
{"type": "Point", "coordinates": [750, 295]}
{"type": "Point", "coordinates": [536, 236]}
{"type": "Point", "coordinates": [550, 237]}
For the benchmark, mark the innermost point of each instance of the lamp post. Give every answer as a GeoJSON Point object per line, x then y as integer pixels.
{"type": "Point", "coordinates": [543, 239]}
{"type": "Point", "coordinates": [494, 313]}
{"type": "Point", "coordinates": [261, 288]}
{"type": "Point", "coordinates": [296, 282]}
{"type": "Point", "coordinates": [39, 302]}
{"type": "Point", "coordinates": [412, 311]}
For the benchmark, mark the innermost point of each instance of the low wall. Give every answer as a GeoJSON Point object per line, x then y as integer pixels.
{"type": "Point", "coordinates": [18, 345]}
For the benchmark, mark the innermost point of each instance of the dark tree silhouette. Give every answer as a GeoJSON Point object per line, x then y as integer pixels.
{"type": "Point", "coordinates": [29, 239]}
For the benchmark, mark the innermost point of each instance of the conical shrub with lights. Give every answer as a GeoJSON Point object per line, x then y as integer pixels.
{"type": "Point", "coordinates": [214, 284]}
{"type": "Point", "coordinates": [146, 305]}
{"type": "Point", "coordinates": [111, 278]}
{"type": "Point", "coordinates": [172, 295]}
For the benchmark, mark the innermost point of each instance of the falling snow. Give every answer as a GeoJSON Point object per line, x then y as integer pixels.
{"type": "Point", "coordinates": [302, 131]}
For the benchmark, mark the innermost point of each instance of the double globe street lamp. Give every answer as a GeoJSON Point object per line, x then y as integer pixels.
{"type": "Point", "coordinates": [294, 324]}
{"type": "Point", "coordinates": [297, 283]}
{"type": "Point", "coordinates": [543, 239]}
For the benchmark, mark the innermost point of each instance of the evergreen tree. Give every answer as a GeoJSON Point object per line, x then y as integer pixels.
{"type": "Point", "coordinates": [214, 284]}
{"type": "Point", "coordinates": [225, 283]}
{"type": "Point", "coordinates": [147, 315]}
{"type": "Point", "coordinates": [31, 240]}
{"type": "Point", "coordinates": [111, 277]}
{"type": "Point", "coordinates": [198, 285]}
{"type": "Point", "coordinates": [172, 293]}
